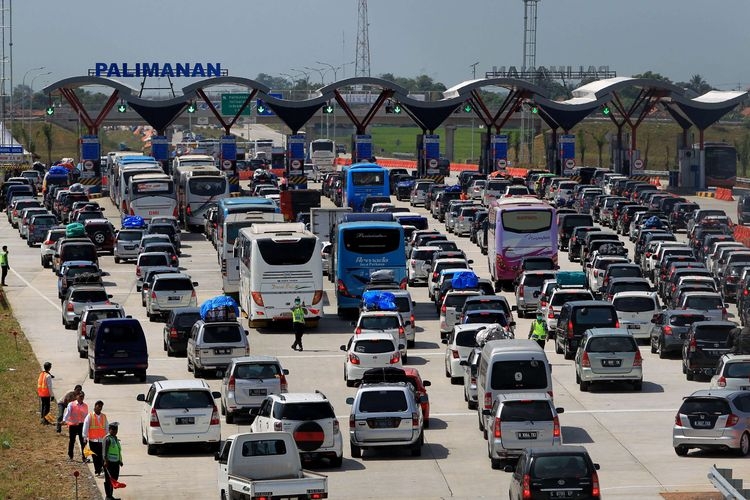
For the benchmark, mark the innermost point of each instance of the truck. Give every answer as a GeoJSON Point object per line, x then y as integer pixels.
{"type": "Point", "coordinates": [265, 465]}
{"type": "Point", "coordinates": [324, 220]}
{"type": "Point", "coordinates": [296, 201]}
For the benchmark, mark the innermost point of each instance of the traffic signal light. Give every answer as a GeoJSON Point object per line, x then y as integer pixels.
{"type": "Point", "coordinates": [50, 110]}
{"type": "Point", "coordinates": [121, 108]}
{"type": "Point", "coordinates": [261, 107]}
{"type": "Point", "coordinates": [191, 107]}
{"type": "Point", "coordinates": [606, 111]}
{"type": "Point", "coordinates": [397, 108]}
{"type": "Point", "coordinates": [534, 109]}
{"type": "Point", "coordinates": [468, 107]}
{"type": "Point", "coordinates": [327, 109]}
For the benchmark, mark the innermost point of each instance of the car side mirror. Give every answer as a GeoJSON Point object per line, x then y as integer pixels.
{"type": "Point", "coordinates": [508, 468]}
{"type": "Point", "coordinates": [560, 410]}
{"type": "Point", "coordinates": [486, 412]}
{"type": "Point", "coordinates": [217, 394]}
{"type": "Point", "coordinates": [350, 400]}
{"type": "Point", "coordinates": [512, 323]}
{"type": "Point", "coordinates": [463, 362]}
{"type": "Point", "coordinates": [536, 294]}
{"type": "Point", "coordinates": [145, 286]}
{"type": "Point", "coordinates": [597, 466]}
{"type": "Point", "coordinates": [401, 346]}
{"type": "Point", "coordinates": [195, 283]}
{"type": "Point", "coordinates": [247, 333]}
{"type": "Point", "coordinates": [140, 397]}
{"type": "Point", "coordinates": [424, 399]}
{"type": "Point", "coordinates": [413, 303]}
{"type": "Point", "coordinates": [109, 296]}
{"type": "Point", "coordinates": [470, 261]}
{"type": "Point", "coordinates": [514, 308]}
{"type": "Point", "coordinates": [444, 341]}
{"type": "Point", "coordinates": [426, 383]}
{"type": "Point", "coordinates": [342, 348]}
{"type": "Point", "coordinates": [217, 456]}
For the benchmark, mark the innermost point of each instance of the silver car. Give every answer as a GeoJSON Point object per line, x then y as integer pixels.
{"type": "Point", "coordinates": [47, 247]}
{"type": "Point", "coordinates": [77, 299]}
{"type": "Point", "coordinates": [91, 314]}
{"type": "Point", "coordinates": [170, 291]}
{"type": "Point", "coordinates": [711, 304]}
{"type": "Point", "coordinates": [521, 420]}
{"type": "Point", "coordinates": [419, 192]}
{"type": "Point", "coordinates": [471, 367]}
{"type": "Point", "coordinates": [713, 420]}
{"type": "Point", "coordinates": [608, 355]}
{"type": "Point", "coordinates": [25, 219]}
{"type": "Point", "coordinates": [417, 267]}
{"type": "Point", "coordinates": [247, 381]}
{"type": "Point", "coordinates": [463, 222]}
{"type": "Point", "coordinates": [529, 283]}
{"type": "Point", "coordinates": [732, 372]}
{"type": "Point", "coordinates": [126, 244]}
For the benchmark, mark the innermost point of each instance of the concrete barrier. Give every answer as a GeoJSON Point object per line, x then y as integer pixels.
{"type": "Point", "coordinates": [724, 194]}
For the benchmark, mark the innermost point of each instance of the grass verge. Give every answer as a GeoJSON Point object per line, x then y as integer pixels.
{"type": "Point", "coordinates": [33, 458]}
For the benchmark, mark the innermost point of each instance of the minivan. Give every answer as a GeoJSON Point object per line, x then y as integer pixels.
{"type": "Point", "coordinates": [635, 311]}
{"type": "Point", "coordinates": [117, 347]}
{"type": "Point", "coordinates": [508, 367]}
{"type": "Point", "coordinates": [578, 316]}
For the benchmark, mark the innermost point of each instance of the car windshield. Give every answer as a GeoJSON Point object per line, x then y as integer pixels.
{"type": "Point", "coordinates": [536, 280]}
{"type": "Point", "coordinates": [173, 400]}
{"type": "Point", "coordinates": [186, 320]}
{"type": "Point", "coordinates": [171, 284]}
{"type": "Point", "coordinates": [92, 316]}
{"type": "Point", "coordinates": [88, 296]}
{"type": "Point", "coordinates": [374, 346]}
{"type": "Point", "coordinates": [249, 371]}
{"type": "Point", "coordinates": [130, 235]}
{"type": "Point", "coordinates": [739, 369]}
{"type": "Point", "coordinates": [216, 334]}
{"type": "Point", "coordinates": [313, 410]}
{"type": "Point", "coordinates": [712, 406]}
{"type": "Point", "coordinates": [523, 411]}
{"type": "Point", "coordinates": [685, 319]}
{"type": "Point", "coordinates": [611, 344]}
{"type": "Point", "coordinates": [624, 272]}
{"type": "Point", "coordinates": [379, 322]}
{"type": "Point", "coordinates": [630, 287]}
{"type": "Point", "coordinates": [475, 305]}
{"type": "Point", "coordinates": [521, 374]}
{"type": "Point", "coordinates": [634, 304]}
{"type": "Point", "coordinates": [383, 401]}
{"type": "Point", "coordinates": [559, 466]}
{"type": "Point", "coordinates": [703, 303]}
{"type": "Point", "coordinates": [486, 317]}
{"type": "Point", "coordinates": [713, 333]}
{"type": "Point", "coordinates": [595, 316]}
{"type": "Point", "coordinates": [562, 298]}
{"type": "Point", "coordinates": [153, 260]}
{"type": "Point", "coordinates": [403, 304]}
{"type": "Point", "coordinates": [422, 254]}
{"type": "Point", "coordinates": [466, 338]}
{"type": "Point", "coordinates": [455, 300]}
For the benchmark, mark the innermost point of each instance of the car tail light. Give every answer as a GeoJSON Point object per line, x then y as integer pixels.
{"type": "Point", "coordinates": [49, 242]}
{"type": "Point", "coordinates": [353, 359]}
{"type": "Point", "coordinates": [595, 491]}
{"type": "Point", "coordinates": [69, 308]}
{"type": "Point", "coordinates": [153, 295]}
{"type": "Point", "coordinates": [454, 352]}
{"type": "Point", "coordinates": [215, 417]}
{"type": "Point", "coordinates": [556, 427]}
{"type": "Point", "coordinates": [231, 384]}
{"type": "Point", "coordinates": [138, 271]}
{"type": "Point", "coordinates": [174, 257]}
{"type": "Point", "coordinates": [667, 330]}
{"type": "Point", "coordinates": [351, 421]}
{"type": "Point", "coordinates": [570, 329]}
{"type": "Point", "coordinates": [411, 320]}
{"type": "Point", "coordinates": [648, 254]}
{"type": "Point", "coordinates": [395, 357]}
{"type": "Point", "coordinates": [173, 333]}
{"type": "Point", "coordinates": [722, 382]}
{"type": "Point", "coordinates": [526, 486]}
{"type": "Point", "coordinates": [335, 425]}
{"type": "Point", "coordinates": [732, 420]}
{"type": "Point", "coordinates": [401, 332]}
{"type": "Point", "coordinates": [724, 313]}
{"type": "Point", "coordinates": [154, 422]}
{"type": "Point", "coordinates": [487, 400]}
{"type": "Point", "coordinates": [443, 308]}
{"type": "Point", "coordinates": [358, 331]}
{"type": "Point", "coordinates": [277, 426]}
{"type": "Point", "coordinates": [31, 228]}
{"type": "Point", "coordinates": [83, 328]}
{"type": "Point", "coordinates": [617, 324]}
{"type": "Point", "coordinates": [498, 433]}
{"type": "Point", "coordinates": [460, 218]}
{"type": "Point", "coordinates": [414, 419]}
{"type": "Point", "coordinates": [543, 303]}
{"type": "Point", "coordinates": [677, 420]}
{"type": "Point", "coordinates": [434, 276]}
{"type": "Point", "coordinates": [520, 291]}
{"type": "Point", "coordinates": [693, 344]}
{"type": "Point", "coordinates": [284, 384]}
{"type": "Point", "coordinates": [585, 362]}
{"type": "Point", "coordinates": [257, 298]}
{"type": "Point", "coordinates": [638, 360]}
{"type": "Point", "coordinates": [402, 284]}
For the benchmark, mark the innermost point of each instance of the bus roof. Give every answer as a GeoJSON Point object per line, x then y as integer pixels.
{"type": "Point", "coordinates": [280, 227]}
{"type": "Point", "coordinates": [136, 158]}
{"type": "Point", "coordinates": [370, 224]}
{"type": "Point", "coordinates": [246, 200]}
{"type": "Point", "coordinates": [521, 202]}
{"type": "Point", "coordinates": [363, 166]}
{"type": "Point", "coordinates": [253, 216]}
{"type": "Point", "coordinates": [150, 177]}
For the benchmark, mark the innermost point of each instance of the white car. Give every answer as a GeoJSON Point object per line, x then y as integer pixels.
{"type": "Point", "coordinates": [180, 411]}
{"type": "Point", "coordinates": [47, 247]}
{"type": "Point", "coordinates": [416, 267]}
{"type": "Point", "coordinates": [459, 344]}
{"type": "Point", "coordinates": [383, 322]}
{"type": "Point", "coordinates": [369, 350]}
{"type": "Point", "coordinates": [635, 311]}
{"type": "Point", "coordinates": [732, 372]}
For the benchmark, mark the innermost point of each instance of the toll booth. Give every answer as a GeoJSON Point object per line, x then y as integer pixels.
{"type": "Point", "coordinates": [428, 158]}
{"type": "Point", "coordinates": [295, 153]}
{"type": "Point", "coordinates": [160, 151]}
{"type": "Point", "coordinates": [692, 163]}
{"type": "Point", "coordinates": [499, 152]}
{"type": "Point", "coordinates": [567, 153]}
{"type": "Point", "coordinates": [228, 158]}
{"type": "Point", "coordinates": [91, 171]}
{"type": "Point", "coordinates": [361, 148]}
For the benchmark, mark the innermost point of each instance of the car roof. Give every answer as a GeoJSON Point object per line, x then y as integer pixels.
{"type": "Point", "coordinates": [86, 287]}
{"type": "Point", "coordinates": [634, 294]}
{"type": "Point", "coordinates": [162, 385]}
{"type": "Point", "coordinates": [684, 312]}
{"type": "Point", "coordinates": [566, 449]}
{"type": "Point", "coordinates": [514, 345]}
{"type": "Point", "coordinates": [715, 322]}
{"type": "Point", "coordinates": [71, 263]}
{"type": "Point", "coordinates": [372, 336]}
{"type": "Point", "coordinates": [723, 393]}
{"type": "Point", "coordinates": [523, 396]}
{"type": "Point", "coordinates": [165, 254]}
{"type": "Point", "coordinates": [103, 307]}
{"type": "Point", "coordinates": [739, 358]}
{"type": "Point", "coordinates": [300, 397]}
{"type": "Point", "coordinates": [254, 358]}
{"type": "Point", "coordinates": [588, 303]}
{"type": "Point", "coordinates": [693, 294]}
{"type": "Point", "coordinates": [610, 332]}
{"type": "Point", "coordinates": [172, 276]}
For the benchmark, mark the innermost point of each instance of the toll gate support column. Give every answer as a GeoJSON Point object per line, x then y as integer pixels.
{"type": "Point", "coordinates": [160, 151]}
{"type": "Point", "coordinates": [499, 143]}
{"type": "Point", "coordinates": [295, 171]}
{"type": "Point", "coordinates": [228, 146]}
{"type": "Point", "coordinates": [361, 148]}
{"type": "Point", "coordinates": [91, 172]}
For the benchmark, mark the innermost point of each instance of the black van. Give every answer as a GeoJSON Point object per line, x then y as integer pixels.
{"type": "Point", "coordinates": [117, 347]}
{"type": "Point", "coordinates": [578, 316]}
{"type": "Point", "coordinates": [566, 223]}
{"type": "Point", "coordinates": [743, 209]}
{"type": "Point", "coordinates": [77, 250]}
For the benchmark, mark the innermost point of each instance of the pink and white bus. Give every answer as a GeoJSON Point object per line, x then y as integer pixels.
{"type": "Point", "coordinates": [518, 228]}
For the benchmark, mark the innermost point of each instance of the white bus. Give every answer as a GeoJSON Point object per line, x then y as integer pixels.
{"type": "Point", "coordinates": [151, 195]}
{"type": "Point", "coordinates": [323, 156]}
{"type": "Point", "coordinates": [230, 264]}
{"type": "Point", "coordinates": [278, 263]}
{"type": "Point", "coordinates": [127, 170]}
{"type": "Point", "coordinates": [185, 162]}
{"type": "Point", "coordinates": [197, 190]}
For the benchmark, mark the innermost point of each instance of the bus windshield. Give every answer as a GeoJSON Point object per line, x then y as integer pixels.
{"type": "Point", "coordinates": [367, 178]}
{"type": "Point", "coordinates": [207, 186]}
{"type": "Point", "coordinates": [287, 252]}
{"type": "Point", "coordinates": [316, 146]}
{"type": "Point", "coordinates": [526, 221]}
{"type": "Point", "coordinates": [153, 188]}
{"type": "Point", "coordinates": [372, 241]}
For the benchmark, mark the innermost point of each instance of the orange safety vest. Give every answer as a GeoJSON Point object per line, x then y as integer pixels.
{"type": "Point", "coordinates": [78, 413]}
{"type": "Point", "coordinates": [41, 386]}
{"type": "Point", "coordinates": [96, 426]}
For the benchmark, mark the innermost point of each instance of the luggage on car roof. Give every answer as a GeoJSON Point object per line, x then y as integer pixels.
{"type": "Point", "coordinates": [75, 230]}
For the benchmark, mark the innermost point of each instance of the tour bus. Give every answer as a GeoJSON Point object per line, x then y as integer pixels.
{"type": "Point", "coordinates": [126, 170]}
{"type": "Point", "coordinates": [111, 170]}
{"type": "Point", "coordinates": [518, 228]}
{"type": "Point", "coordinates": [230, 267]}
{"type": "Point", "coordinates": [151, 195]}
{"type": "Point", "coordinates": [198, 189]}
{"type": "Point", "coordinates": [120, 161]}
{"type": "Point", "coordinates": [323, 155]}
{"type": "Point", "coordinates": [361, 248]}
{"type": "Point", "coordinates": [183, 163]}
{"type": "Point", "coordinates": [362, 180]}
{"type": "Point", "coordinates": [240, 205]}
{"type": "Point", "coordinates": [279, 263]}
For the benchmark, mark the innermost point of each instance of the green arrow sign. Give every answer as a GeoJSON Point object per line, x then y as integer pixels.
{"type": "Point", "coordinates": [231, 104]}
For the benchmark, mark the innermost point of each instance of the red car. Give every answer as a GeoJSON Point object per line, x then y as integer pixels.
{"type": "Point", "coordinates": [406, 374]}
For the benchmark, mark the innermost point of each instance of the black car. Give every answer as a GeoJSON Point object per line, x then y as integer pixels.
{"type": "Point", "coordinates": [565, 471]}
{"type": "Point", "coordinates": [705, 343]}
{"type": "Point", "coordinates": [680, 214]}
{"type": "Point", "coordinates": [578, 316]}
{"type": "Point", "coordinates": [576, 238]}
{"type": "Point", "coordinates": [566, 224]}
{"type": "Point", "coordinates": [102, 233]}
{"type": "Point", "coordinates": [431, 193]}
{"type": "Point", "coordinates": [177, 329]}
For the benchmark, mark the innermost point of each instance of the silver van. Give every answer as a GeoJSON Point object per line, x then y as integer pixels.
{"type": "Point", "coordinates": [212, 345]}
{"type": "Point", "coordinates": [167, 292]}
{"type": "Point", "coordinates": [126, 244]}
{"type": "Point", "coordinates": [508, 367]}
{"type": "Point", "coordinates": [247, 382]}
{"type": "Point", "coordinates": [518, 421]}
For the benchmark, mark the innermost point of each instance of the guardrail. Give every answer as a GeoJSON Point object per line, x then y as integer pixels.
{"type": "Point", "coordinates": [728, 487]}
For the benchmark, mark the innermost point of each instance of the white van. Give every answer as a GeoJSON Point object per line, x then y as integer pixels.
{"type": "Point", "coordinates": [635, 311]}
{"type": "Point", "coordinates": [508, 367]}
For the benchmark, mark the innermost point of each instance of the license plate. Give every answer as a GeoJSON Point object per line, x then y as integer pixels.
{"type": "Point", "coordinates": [222, 351]}
{"type": "Point", "coordinates": [153, 212]}
{"type": "Point", "coordinates": [120, 355]}
{"type": "Point", "coordinates": [561, 494]}
{"type": "Point", "coordinates": [634, 327]}
{"type": "Point", "coordinates": [173, 298]}
{"type": "Point", "coordinates": [745, 388]}
{"type": "Point", "coordinates": [702, 423]}
{"type": "Point", "coordinates": [257, 392]}
{"type": "Point", "coordinates": [184, 420]}
{"type": "Point", "coordinates": [611, 362]}
{"type": "Point", "coordinates": [382, 423]}
{"type": "Point", "coordinates": [526, 435]}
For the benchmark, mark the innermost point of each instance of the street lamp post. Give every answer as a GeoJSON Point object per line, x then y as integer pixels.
{"type": "Point", "coordinates": [23, 84]}
{"type": "Point", "coordinates": [31, 100]}
{"type": "Point", "coordinates": [335, 70]}
{"type": "Point", "coordinates": [322, 73]}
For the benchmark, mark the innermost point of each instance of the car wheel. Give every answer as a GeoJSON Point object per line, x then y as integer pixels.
{"type": "Point", "coordinates": [356, 451]}
{"type": "Point", "coordinates": [405, 358]}
{"type": "Point", "coordinates": [410, 343]}
{"type": "Point", "coordinates": [653, 346]}
{"type": "Point", "coordinates": [689, 375]}
{"type": "Point", "coordinates": [457, 380]}
{"type": "Point", "coordinates": [681, 450]}
{"type": "Point", "coordinates": [558, 349]}
{"type": "Point", "coordinates": [578, 378]}
{"type": "Point", "coordinates": [638, 386]}
{"type": "Point", "coordinates": [117, 260]}
{"type": "Point", "coordinates": [91, 373]}
{"type": "Point", "coordinates": [496, 463]}
{"type": "Point", "coordinates": [152, 449]}
{"type": "Point", "coordinates": [584, 386]}
{"type": "Point", "coordinates": [744, 447]}
{"type": "Point", "coordinates": [662, 351]}
{"type": "Point", "coordinates": [142, 376]}
{"type": "Point", "coordinates": [230, 418]}
{"type": "Point", "coordinates": [416, 448]}
{"type": "Point", "coordinates": [83, 354]}
{"type": "Point", "coordinates": [336, 461]}
{"type": "Point", "coordinates": [97, 377]}
{"type": "Point", "coordinates": [567, 353]}
{"type": "Point", "coordinates": [189, 367]}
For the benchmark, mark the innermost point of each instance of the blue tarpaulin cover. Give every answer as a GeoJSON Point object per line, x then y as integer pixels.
{"type": "Point", "coordinates": [464, 279]}
{"type": "Point", "coordinates": [133, 222]}
{"type": "Point", "coordinates": [220, 308]}
{"type": "Point", "coordinates": [453, 189]}
{"type": "Point", "coordinates": [653, 221]}
{"type": "Point", "coordinates": [374, 300]}
{"type": "Point", "coordinates": [571, 278]}
{"type": "Point", "coordinates": [58, 171]}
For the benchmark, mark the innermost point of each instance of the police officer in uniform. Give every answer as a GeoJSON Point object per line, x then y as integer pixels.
{"type": "Point", "coordinates": [112, 460]}
{"type": "Point", "coordinates": [538, 330]}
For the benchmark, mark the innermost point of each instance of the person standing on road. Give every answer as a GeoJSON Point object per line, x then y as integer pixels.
{"type": "Point", "coordinates": [298, 323]}
{"type": "Point", "coordinates": [739, 341]}
{"type": "Point", "coordinates": [75, 414]}
{"type": "Point", "coordinates": [112, 460]}
{"type": "Point", "coordinates": [44, 391]}
{"type": "Point", "coordinates": [69, 397]}
{"type": "Point", "coordinates": [4, 264]}
{"type": "Point", "coordinates": [538, 330]}
{"type": "Point", "coordinates": [94, 431]}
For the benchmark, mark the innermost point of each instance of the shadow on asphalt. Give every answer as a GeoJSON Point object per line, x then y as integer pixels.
{"type": "Point", "coordinates": [575, 435]}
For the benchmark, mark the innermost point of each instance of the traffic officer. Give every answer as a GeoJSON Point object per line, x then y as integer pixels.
{"type": "Point", "coordinates": [74, 416]}
{"type": "Point", "coordinates": [4, 264]}
{"type": "Point", "coordinates": [538, 330]}
{"type": "Point", "coordinates": [94, 430]}
{"type": "Point", "coordinates": [298, 323]}
{"type": "Point", "coordinates": [112, 460]}
{"type": "Point", "coordinates": [44, 391]}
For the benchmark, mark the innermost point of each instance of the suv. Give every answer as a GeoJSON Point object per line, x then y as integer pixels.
{"type": "Point", "coordinates": [179, 411]}
{"type": "Point", "coordinates": [47, 248]}
{"type": "Point", "coordinates": [90, 315]}
{"type": "Point", "coordinates": [732, 372]}
{"type": "Point", "coordinates": [77, 272]}
{"type": "Point", "coordinates": [418, 261]}
{"type": "Point", "coordinates": [248, 381]}
{"type": "Point", "coordinates": [670, 328]}
{"type": "Point", "coordinates": [169, 291]}
{"type": "Point", "coordinates": [713, 419]}
{"type": "Point", "coordinates": [383, 322]}
{"type": "Point", "coordinates": [608, 355]}
{"type": "Point", "coordinates": [177, 329]}
{"type": "Point", "coordinates": [419, 192]}
{"type": "Point", "coordinates": [213, 344]}
{"type": "Point", "coordinates": [578, 316]}
{"type": "Point", "coordinates": [566, 471]}
{"type": "Point", "coordinates": [527, 291]}
{"type": "Point", "coordinates": [126, 244]}
{"type": "Point", "coordinates": [38, 227]}
{"type": "Point", "coordinates": [521, 420]}
{"type": "Point", "coordinates": [77, 299]}
{"type": "Point", "coordinates": [705, 343]}
{"type": "Point", "coordinates": [310, 418]}
{"type": "Point", "coordinates": [385, 415]}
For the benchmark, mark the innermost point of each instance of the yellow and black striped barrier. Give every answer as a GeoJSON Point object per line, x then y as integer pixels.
{"type": "Point", "coordinates": [234, 184]}
{"type": "Point", "coordinates": [706, 194]}
{"type": "Point", "coordinates": [297, 180]}
{"type": "Point", "coordinates": [437, 178]}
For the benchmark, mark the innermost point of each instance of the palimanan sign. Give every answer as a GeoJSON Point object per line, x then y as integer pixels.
{"type": "Point", "coordinates": [158, 70]}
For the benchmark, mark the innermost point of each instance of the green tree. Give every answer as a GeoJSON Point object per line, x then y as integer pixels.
{"type": "Point", "coordinates": [48, 140]}
{"type": "Point", "coordinates": [581, 140]}
{"type": "Point", "coordinates": [600, 140]}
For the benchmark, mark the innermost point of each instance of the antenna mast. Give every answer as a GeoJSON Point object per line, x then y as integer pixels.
{"type": "Point", "coordinates": [362, 58]}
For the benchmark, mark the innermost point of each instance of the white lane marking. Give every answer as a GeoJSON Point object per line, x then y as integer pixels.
{"type": "Point", "coordinates": [316, 356]}
{"type": "Point", "coordinates": [56, 306]}
{"type": "Point", "coordinates": [474, 414]}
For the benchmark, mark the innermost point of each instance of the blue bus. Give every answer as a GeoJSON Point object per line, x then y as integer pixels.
{"type": "Point", "coordinates": [361, 248]}
{"type": "Point", "coordinates": [242, 204]}
{"type": "Point", "coordinates": [362, 180]}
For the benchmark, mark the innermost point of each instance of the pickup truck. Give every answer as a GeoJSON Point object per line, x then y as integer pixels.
{"type": "Point", "coordinates": [265, 465]}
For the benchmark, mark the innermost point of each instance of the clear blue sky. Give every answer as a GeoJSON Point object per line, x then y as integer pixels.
{"type": "Point", "coordinates": [407, 37]}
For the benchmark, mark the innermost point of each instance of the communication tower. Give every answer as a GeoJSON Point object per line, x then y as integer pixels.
{"type": "Point", "coordinates": [362, 58]}
{"type": "Point", "coordinates": [529, 61]}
